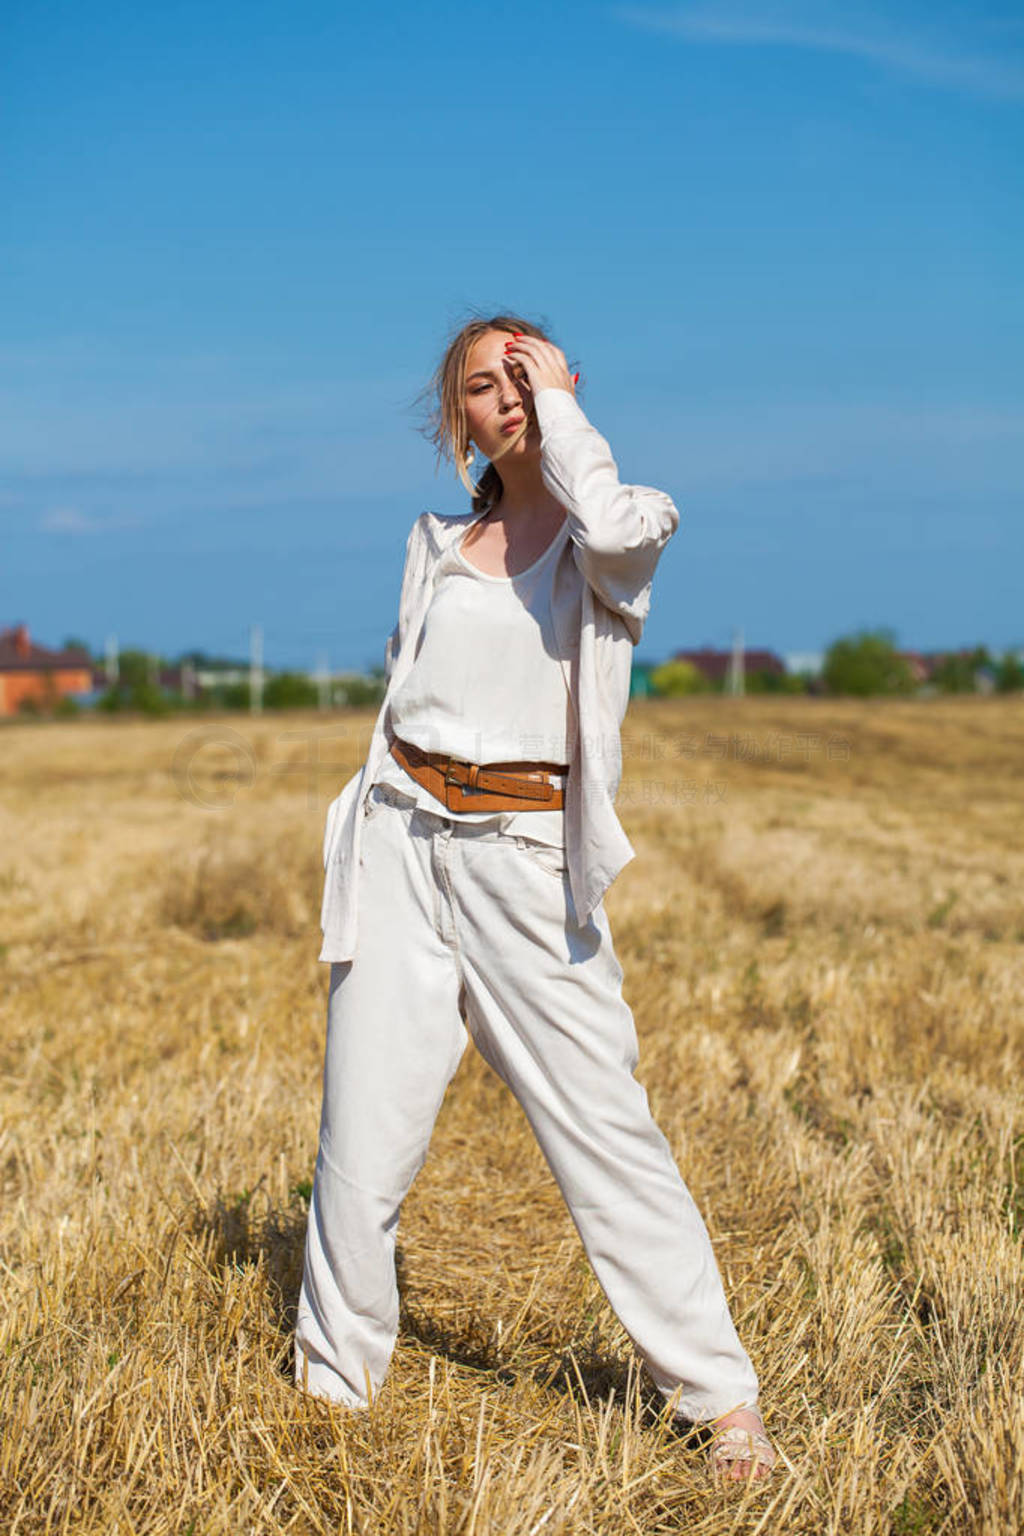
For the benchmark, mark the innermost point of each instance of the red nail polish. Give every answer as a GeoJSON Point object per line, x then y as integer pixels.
{"type": "Point", "coordinates": [517, 335]}
{"type": "Point", "coordinates": [575, 378]}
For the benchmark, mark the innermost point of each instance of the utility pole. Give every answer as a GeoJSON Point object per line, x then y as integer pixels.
{"type": "Point", "coordinates": [736, 678]}
{"type": "Point", "coordinates": [112, 661]}
{"type": "Point", "coordinates": [256, 669]}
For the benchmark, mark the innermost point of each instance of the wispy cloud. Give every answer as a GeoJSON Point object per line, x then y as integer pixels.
{"type": "Point", "coordinates": [69, 519]}
{"type": "Point", "coordinates": [936, 61]}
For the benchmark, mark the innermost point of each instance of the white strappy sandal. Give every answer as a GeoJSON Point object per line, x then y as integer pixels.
{"type": "Point", "coordinates": [736, 1443]}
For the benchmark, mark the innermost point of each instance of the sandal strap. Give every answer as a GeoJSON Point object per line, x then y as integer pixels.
{"type": "Point", "coordinates": [738, 1444]}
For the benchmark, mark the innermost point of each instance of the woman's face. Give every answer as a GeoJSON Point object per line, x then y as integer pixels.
{"type": "Point", "coordinates": [498, 400]}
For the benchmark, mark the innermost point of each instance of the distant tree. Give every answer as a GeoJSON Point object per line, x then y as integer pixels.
{"type": "Point", "coordinates": [674, 678]}
{"type": "Point", "coordinates": [763, 680]}
{"type": "Point", "coordinates": [289, 690]}
{"type": "Point", "coordinates": [1009, 674]}
{"type": "Point", "coordinates": [135, 667]}
{"type": "Point", "coordinates": [358, 692]}
{"type": "Point", "coordinates": [956, 673]}
{"type": "Point", "coordinates": [866, 663]}
{"type": "Point", "coordinates": [149, 699]}
{"type": "Point", "coordinates": [141, 697]}
{"type": "Point", "coordinates": [233, 695]}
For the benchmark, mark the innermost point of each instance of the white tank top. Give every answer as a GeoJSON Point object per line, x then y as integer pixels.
{"type": "Point", "coordinates": [486, 683]}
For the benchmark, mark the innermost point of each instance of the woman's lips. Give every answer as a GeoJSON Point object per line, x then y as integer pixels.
{"type": "Point", "coordinates": [510, 426]}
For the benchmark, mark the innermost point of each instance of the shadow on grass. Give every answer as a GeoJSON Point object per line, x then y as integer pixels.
{"type": "Point", "coordinates": [274, 1238]}
{"type": "Point", "coordinates": [239, 1236]}
{"type": "Point", "coordinates": [585, 1373]}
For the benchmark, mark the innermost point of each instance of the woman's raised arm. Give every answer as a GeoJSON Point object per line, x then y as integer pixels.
{"type": "Point", "coordinates": [619, 530]}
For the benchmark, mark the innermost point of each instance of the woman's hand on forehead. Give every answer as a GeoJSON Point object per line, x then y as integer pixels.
{"type": "Point", "coordinates": [543, 363]}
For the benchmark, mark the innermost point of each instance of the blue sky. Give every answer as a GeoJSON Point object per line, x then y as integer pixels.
{"type": "Point", "coordinates": [783, 243]}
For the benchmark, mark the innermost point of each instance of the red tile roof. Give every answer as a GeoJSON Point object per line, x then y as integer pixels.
{"type": "Point", "coordinates": [715, 664]}
{"type": "Point", "coordinates": [19, 653]}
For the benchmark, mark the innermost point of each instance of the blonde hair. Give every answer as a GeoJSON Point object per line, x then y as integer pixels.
{"type": "Point", "coordinates": [446, 427]}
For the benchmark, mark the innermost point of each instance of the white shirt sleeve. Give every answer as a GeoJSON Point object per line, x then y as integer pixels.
{"type": "Point", "coordinates": [619, 530]}
{"type": "Point", "coordinates": [411, 574]}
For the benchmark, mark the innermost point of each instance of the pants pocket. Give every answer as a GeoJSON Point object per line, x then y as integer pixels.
{"type": "Point", "coordinates": [385, 794]}
{"type": "Point", "coordinates": [550, 860]}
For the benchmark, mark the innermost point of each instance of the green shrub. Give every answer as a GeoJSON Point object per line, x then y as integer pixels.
{"type": "Point", "coordinates": [763, 681]}
{"type": "Point", "coordinates": [289, 690]}
{"type": "Point", "coordinates": [956, 673]}
{"type": "Point", "coordinates": [673, 679]}
{"type": "Point", "coordinates": [866, 663]}
{"type": "Point", "coordinates": [1009, 674]}
{"type": "Point", "coordinates": [148, 699]}
{"type": "Point", "coordinates": [357, 692]}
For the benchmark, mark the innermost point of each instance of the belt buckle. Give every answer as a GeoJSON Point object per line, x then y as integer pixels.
{"type": "Point", "coordinates": [454, 792]}
{"type": "Point", "coordinates": [448, 771]}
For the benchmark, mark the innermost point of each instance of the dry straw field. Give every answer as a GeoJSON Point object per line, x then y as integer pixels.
{"type": "Point", "coordinates": [823, 940]}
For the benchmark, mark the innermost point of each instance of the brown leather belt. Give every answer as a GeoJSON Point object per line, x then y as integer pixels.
{"type": "Point", "coordinates": [493, 786]}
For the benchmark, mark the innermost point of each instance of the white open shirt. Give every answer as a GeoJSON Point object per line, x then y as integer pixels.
{"type": "Point", "coordinates": [600, 598]}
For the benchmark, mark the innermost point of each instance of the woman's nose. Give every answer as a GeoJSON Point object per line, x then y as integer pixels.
{"type": "Point", "coordinates": [509, 393]}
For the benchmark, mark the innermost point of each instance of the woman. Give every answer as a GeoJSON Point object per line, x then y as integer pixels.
{"type": "Point", "coordinates": [471, 853]}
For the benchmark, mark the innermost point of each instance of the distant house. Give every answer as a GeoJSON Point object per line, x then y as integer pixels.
{"type": "Point", "coordinates": [35, 673]}
{"type": "Point", "coordinates": [714, 665]}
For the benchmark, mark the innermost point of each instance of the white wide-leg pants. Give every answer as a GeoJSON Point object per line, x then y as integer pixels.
{"type": "Point", "coordinates": [456, 921]}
